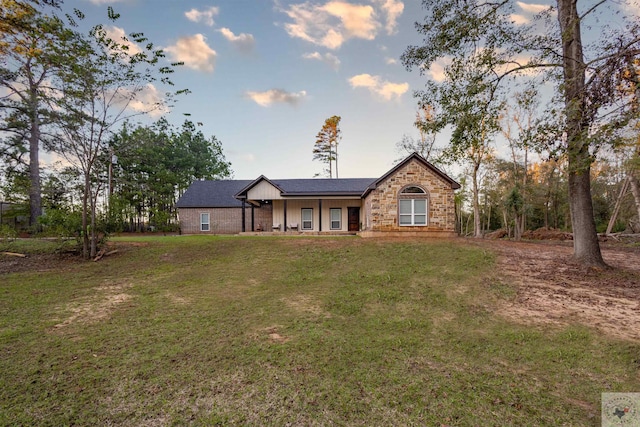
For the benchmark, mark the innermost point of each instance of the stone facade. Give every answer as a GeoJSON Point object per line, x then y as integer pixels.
{"type": "Point", "coordinates": [225, 220]}
{"type": "Point", "coordinates": [381, 205]}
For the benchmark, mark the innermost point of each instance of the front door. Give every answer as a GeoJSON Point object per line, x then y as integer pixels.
{"type": "Point", "coordinates": [354, 219]}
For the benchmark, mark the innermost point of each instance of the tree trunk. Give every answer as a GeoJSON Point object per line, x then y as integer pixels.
{"type": "Point", "coordinates": [616, 209]}
{"type": "Point", "coordinates": [35, 196]}
{"type": "Point", "coordinates": [94, 236]}
{"type": "Point", "coordinates": [477, 230]}
{"type": "Point", "coordinates": [635, 190]}
{"type": "Point", "coordinates": [585, 238]}
{"type": "Point", "coordinates": [85, 220]}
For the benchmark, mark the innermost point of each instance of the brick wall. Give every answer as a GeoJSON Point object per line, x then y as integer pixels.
{"type": "Point", "coordinates": [382, 203]}
{"type": "Point", "coordinates": [223, 220]}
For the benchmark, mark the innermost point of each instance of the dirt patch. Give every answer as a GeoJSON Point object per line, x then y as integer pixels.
{"type": "Point", "coordinates": [59, 261]}
{"type": "Point", "coordinates": [305, 304]}
{"type": "Point", "coordinates": [97, 307]}
{"type": "Point", "coordinates": [274, 335]}
{"type": "Point", "coordinates": [37, 263]}
{"type": "Point", "coordinates": [553, 289]}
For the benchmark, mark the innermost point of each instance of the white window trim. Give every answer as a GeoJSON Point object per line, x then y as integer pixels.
{"type": "Point", "coordinates": [413, 196]}
{"type": "Point", "coordinates": [208, 223]}
{"type": "Point", "coordinates": [331, 227]}
{"type": "Point", "coordinates": [413, 213]}
{"type": "Point", "coordinates": [302, 220]}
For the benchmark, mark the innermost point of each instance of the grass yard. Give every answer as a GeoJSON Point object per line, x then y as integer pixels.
{"type": "Point", "coordinates": [292, 331]}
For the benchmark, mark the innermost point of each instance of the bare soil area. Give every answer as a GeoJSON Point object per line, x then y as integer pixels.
{"type": "Point", "coordinates": [553, 289]}
{"type": "Point", "coordinates": [36, 262]}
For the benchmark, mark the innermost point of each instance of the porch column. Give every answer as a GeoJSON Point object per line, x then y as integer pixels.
{"type": "Point", "coordinates": [319, 214]}
{"type": "Point", "coordinates": [243, 217]}
{"type": "Point", "coordinates": [285, 215]}
{"type": "Point", "coordinates": [253, 218]}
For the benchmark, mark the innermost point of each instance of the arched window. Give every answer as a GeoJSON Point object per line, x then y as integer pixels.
{"type": "Point", "coordinates": [413, 206]}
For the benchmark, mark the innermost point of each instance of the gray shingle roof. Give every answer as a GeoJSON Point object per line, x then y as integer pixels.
{"type": "Point", "coordinates": [212, 194]}
{"type": "Point", "coordinates": [220, 194]}
{"type": "Point", "coordinates": [338, 186]}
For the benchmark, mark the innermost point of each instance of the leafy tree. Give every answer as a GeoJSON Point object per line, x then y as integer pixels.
{"type": "Point", "coordinates": [464, 105]}
{"type": "Point", "coordinates": [99, 89]}
{"type": "Point", "coordinates": [326, 146]}
{"type": "Point", "coordinates": [425, 144]}
{"type": "Point", "coordinates": [155, 166]}
{"type": "Point", "coordinates": [518, 126]}
{"type": "Point", "coordinates": [33, 47]}
{"type": "Point", "coordinates": [485, 35]}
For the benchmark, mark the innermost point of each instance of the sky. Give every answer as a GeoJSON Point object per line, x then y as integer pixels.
{"type": "Point", "coordinates": [266, 74]}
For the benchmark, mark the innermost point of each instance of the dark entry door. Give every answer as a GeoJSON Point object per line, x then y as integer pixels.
{"type": "Point", "coordinates": [354, 219]}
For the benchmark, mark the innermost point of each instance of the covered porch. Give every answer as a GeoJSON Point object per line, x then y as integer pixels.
{"type": "Point", "coordinates": [303, 215]}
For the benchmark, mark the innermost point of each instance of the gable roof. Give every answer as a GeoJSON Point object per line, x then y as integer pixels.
{"type": "Point", "coordinates": [415, 156]}
{"type": "Point", "coordinates": [313, 187]}
{"type": "Point", "coordinates": [212, 194]}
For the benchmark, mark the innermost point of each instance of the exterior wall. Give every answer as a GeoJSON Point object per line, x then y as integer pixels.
{"type": "Point", "coordinates": [294, 212]}
{"type": "Point", "coordinates": [223, 220]}
{"type": "Point", "coordinates": [381, 205]}
{"type": "Point", "coordinates": [262, 218]}
{"type": "Point", "coordinates": [342, 204]}
{"type": "Point", "coordinates": [263, 191]}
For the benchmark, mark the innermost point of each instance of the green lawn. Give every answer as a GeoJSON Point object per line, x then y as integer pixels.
{"type": "Point", "coordinates": [292, 331]}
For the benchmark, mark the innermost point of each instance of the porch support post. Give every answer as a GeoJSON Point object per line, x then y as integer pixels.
{"type": "Point", "coordinates": [319, 214]}
{"type": "Point", "coordinates": [243, 217]}
{"type": "Point", "coordinates": [253, 216]}
{"type": "Point", "coordinates": [285, 215]}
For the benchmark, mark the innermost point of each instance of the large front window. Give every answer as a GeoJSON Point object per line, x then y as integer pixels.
{"type": "Point", "coordinates": [412, 206]}
{"type": "Point", "coordinates": [204, 221]}
{"type": "Point", "coordinates": [336, 218]}
{"type": "Point", "coordinates": [307, 219]}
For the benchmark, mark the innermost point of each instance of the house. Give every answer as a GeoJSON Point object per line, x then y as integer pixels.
{"type": "Point", "coordinates": [413, 198]}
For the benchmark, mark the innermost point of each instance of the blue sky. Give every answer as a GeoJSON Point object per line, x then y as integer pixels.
{"type": "Point", "coordinates": [265, 74]}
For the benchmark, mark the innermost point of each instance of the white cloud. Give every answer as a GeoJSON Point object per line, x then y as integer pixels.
{"type": "Point", "coordinates": [332, 23]}
{"type": "Point", "coordinates": [117, 34]}
{"type": "Point", "coordinates": [194, 52]}
{"type": "Point", "coordinates": [243, 42]}
{"type": "Point", "coordinates": [205, 16]}
{"type": "Point", "coordinates": [328, 58]}
{"type": "Point", "coordinates": [519, 19]}
{"type": "Point", "coordinates": [272, 96]}
{"type": "Point", "coordinates": [392, 9]}
{"type": "Point", "coordinates": [390, 61]}
{"type": "Point", "coordinates": [437, 69]}
{"type": "Point", "coordinates": [149, 99]}
{"type": "Point", "coordinates": [376, 85]}
{"type": "Point", "coordinates": [358, 20]}
{"type": "Point", "coordinates": [146, 99]}
{"type": "Point", "coordinates": [532, 7]}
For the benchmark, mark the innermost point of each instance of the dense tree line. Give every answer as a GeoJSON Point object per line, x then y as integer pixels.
{"type": "Point", "coordinates": [69, 94]}
{"type": "Point", "coordinates": [490, 51]}
{"type": "Point", "coordinates": [152, 166]}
